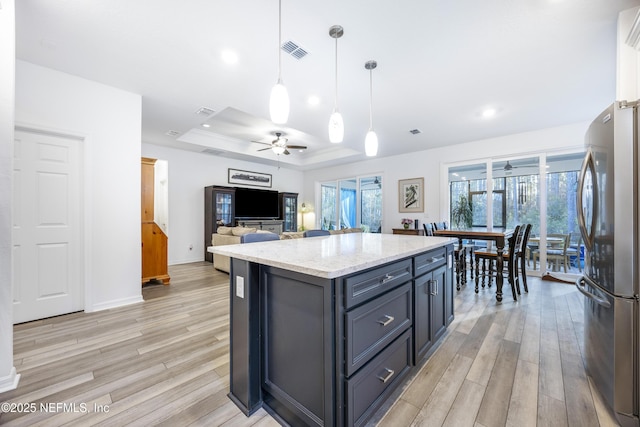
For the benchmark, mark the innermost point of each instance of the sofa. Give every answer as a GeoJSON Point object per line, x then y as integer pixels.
{"type": "Point", "coordinates": [231, 236]}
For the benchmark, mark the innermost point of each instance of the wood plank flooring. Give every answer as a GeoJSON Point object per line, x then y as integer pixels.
{"type": "Point", "coordinates": [166, 362]}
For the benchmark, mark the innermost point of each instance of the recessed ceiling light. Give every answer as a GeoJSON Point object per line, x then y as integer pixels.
{"type": "Point", "coordinates": [206, 125]}
{"type": "Point", "coordinates": [229, 56]}
{"type": "Point", "coordinates": [488, 112]}
{"type": "Point", "coordinates": [313, 100]}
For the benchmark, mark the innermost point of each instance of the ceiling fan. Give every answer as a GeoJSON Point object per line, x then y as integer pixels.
{"type": "Point", "coordinates": [508, 167]}
{"type": "Point", "coordinates": [280, 146]}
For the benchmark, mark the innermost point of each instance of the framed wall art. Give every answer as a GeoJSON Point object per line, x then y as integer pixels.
{"type": "Point", "coordinates": [257, 179]}
{"type": "Point", "coordinates": [411, 195]}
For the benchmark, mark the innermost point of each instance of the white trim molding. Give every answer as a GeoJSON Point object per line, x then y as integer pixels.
{"type": "Point", "coordinates": [10, 382]}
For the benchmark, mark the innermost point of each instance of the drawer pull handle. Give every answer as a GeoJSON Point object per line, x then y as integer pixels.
{"type": "Point", "coordinates": [387, 277]}
{"type": "Point", "coordinates": [387, 377]}
{"type": "Point", "coordinates": [387, 319]}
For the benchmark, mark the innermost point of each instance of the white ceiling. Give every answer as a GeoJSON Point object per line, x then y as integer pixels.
{"type": "Point", "coordinates": [539, 63]}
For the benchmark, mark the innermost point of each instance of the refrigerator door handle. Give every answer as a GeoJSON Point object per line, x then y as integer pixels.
{"type": "Point", "coordinates": [600, 301]}
{"type": "Point", "coordinates": [587, 234]}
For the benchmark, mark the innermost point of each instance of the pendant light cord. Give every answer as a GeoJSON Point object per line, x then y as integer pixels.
{"type": "Point", "coordinates": [279, 41]}
{"type": "Point", "coordinates": [335, 107]}
{"type": "Point", "coordinates": [371, 99]}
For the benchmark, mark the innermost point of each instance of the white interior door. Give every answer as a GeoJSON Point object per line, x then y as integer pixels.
{"type": "Point", "coordinates": [47, 253]}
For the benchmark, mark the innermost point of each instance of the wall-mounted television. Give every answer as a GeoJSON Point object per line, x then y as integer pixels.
{"type": "Point", "coordinates": [251, 203]}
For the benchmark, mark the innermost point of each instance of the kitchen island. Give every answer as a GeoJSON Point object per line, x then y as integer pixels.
{"type": "Point", "coordinates": [324, 329]}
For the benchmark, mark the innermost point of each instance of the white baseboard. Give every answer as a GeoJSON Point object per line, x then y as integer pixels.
{"type": "Point", "coordinates": [10, 382]}
{"type": "Point", "coordinates": [185, 261]}
{"type": "Point", "coordinates": [115, 303]}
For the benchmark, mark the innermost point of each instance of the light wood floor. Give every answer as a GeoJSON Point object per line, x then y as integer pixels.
{"type": "Point", "coordinates": [166, 362]}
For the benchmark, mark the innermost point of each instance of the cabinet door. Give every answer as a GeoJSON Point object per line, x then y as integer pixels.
{"type": "Point", "coordinates": [218, 210]}
{"type": "Point", "coordinates": [448, 287]}
{"type": "Point", "coordinates": [422, 316]}
{"type": "Point", "coordinates": [438, 300]}
{"type": "Point", "coordinates": [289, 211]}
{"type": "Point", "coordinates": [224, 208]}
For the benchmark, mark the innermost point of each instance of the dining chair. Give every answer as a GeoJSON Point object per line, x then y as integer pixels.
{"type": "Point", "coordinates": [559, 255]}
{"type": "Point", "coordinates": [428, 229]}
{"type": "Point", "coordinates": [555, 241]}
{"type": "Point", "coordinates": [521, 257]}
{"type": "Point", "coordinates": [258, 237]}
{"type": "Point", "coordinates": [510, 257]}
{"type": "Point", "coordinates": [574, 252]}
{"type": "Point", "coordinates": [314, 233]}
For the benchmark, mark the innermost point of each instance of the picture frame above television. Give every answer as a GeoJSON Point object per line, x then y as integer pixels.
{"type": "Point", "coordinates": [256, 179]}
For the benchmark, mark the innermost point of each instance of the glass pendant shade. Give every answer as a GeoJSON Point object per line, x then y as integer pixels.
{"type": "Point", "coordinates": [371, 143]}
{"type": "Point", "coordinates": [279, 104]}
{"type": "Point", "coordinates": [278, 149]}
{"type": "Point", "coordinates": [336, 127]}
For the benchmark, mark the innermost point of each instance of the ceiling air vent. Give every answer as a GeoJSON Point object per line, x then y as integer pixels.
{"type": "Point", "coordinates": [205, 111]}
{"type": "Point", "coordinates": [415, 131]}
{"type": "Point", "coordinates": [172, 133]}
{"type": "Point", "coordinates": [212, 152]}
{"type": "Point", "coordinates": [294, 49]}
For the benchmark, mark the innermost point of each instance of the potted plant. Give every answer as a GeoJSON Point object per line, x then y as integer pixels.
{"type": "Point", "coordinates": [406, 222]}
{"type": "Point", "coordinates": [462, 214]}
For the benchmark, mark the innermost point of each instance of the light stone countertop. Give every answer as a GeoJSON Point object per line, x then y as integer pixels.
{"type": "Point", "coordinates": [332, 256]}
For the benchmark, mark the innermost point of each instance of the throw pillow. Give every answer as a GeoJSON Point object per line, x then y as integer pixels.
{"type": "Point", "coordinates": [239, 231]}
{"type": "Point", "coordinates": [224, 230]}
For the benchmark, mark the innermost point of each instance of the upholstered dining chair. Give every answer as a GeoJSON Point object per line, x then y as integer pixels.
{"type": "Point", "coordinates": [555, 241]}
{"type": "Point", "coordinates": [314, 233]}
{"type": "Point", "coordinates": [428, 229]}
{"type": "Point", "coordinates": [573, 252]}
{"type": "Point", "coordinates": [258, 237]}
{"type": "Point", "coordinates": [560, 255]}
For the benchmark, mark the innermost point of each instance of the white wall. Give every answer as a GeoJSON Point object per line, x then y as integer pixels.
{"type": "Point", "coordinates": [189, 173]}
{"type": "Point", "coordinates": [109, 120]}
{"type": "Point", "coordinates": [430, 163]}
{"type": "Point", "coordinates": [8, 377]}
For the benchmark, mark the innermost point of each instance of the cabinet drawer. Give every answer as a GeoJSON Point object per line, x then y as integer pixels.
{"type": "Point", "coordinates": [272, 228]}
{"type": "Point", "coordinates": [364, 286]}
{"type": "Point", "coordinates": [430, 260]}
{"type": "Point", "coordinates": [369, 388]}
{"type": "Point", "coordinates": [371, 327]}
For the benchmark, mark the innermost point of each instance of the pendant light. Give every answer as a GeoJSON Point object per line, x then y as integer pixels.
{"type": "Point", "coordinates": [279, 101]}
{"type": "Point", "coordinates": [371, 140]}
{"type": "Point", "coordinates": [336, 124]}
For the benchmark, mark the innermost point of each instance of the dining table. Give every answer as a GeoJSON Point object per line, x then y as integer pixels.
{"type": "Point", "coordinates": [500, 237]}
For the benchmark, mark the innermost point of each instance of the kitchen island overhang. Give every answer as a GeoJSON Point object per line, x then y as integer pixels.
{"type": "Point", "coordinates": [324, 329]}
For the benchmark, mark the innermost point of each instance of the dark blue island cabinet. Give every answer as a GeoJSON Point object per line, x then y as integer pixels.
{"type": "Point", "coordinates": [329, 351]}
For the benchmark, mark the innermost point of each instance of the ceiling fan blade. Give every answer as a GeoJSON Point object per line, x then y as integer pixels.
{"type": "Point", "coordinates": [263, 143]}
{"type": "Point", "coordinates": [263, 149]}
{"type": "Point", "coordinates": [297, 147]}
{"type": "Point", "coordinates": [286, 152]}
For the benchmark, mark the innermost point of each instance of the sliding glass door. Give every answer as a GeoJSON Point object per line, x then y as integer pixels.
{"type": "Point", "coordinates": [352, 203]}
{"type": "Point", "coordinates": [522, 195]}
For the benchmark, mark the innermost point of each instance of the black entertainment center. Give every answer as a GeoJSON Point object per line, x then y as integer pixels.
{"type": "Point", "coordinates": [251, 207]}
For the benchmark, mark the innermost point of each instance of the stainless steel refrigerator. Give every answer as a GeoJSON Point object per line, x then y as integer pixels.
{"type": "Point", "coordinates": [609, 222]}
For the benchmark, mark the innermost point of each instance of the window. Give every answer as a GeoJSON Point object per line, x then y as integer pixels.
{"type": "Point", "coordinates": [352, 203]}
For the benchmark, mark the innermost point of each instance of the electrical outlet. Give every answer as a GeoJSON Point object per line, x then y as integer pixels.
{"type": "Point", "coordinates": [240, 286]}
